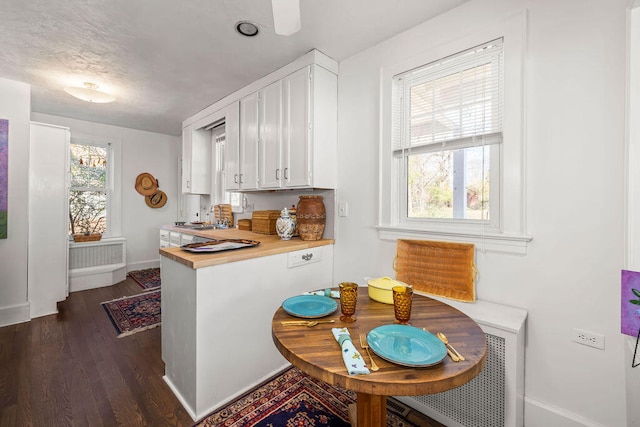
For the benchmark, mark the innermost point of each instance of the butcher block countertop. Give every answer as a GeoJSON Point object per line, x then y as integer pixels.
{"type": "Point", "coordinates": [269, 245]}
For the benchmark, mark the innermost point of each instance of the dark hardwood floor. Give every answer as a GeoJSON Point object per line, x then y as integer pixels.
{"type": "Point", "coordinates": [70, 369]}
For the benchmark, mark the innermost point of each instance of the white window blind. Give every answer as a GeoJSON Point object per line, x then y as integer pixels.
{"type": "Point", "coordinates": [455, 102]}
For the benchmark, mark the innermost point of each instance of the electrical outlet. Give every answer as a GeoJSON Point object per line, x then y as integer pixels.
{"type": "Point", "coordinates": [588, 338]}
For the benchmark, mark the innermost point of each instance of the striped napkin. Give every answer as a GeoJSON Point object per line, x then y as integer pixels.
{"type": "Point", "coordinates": [352, 359]}
{"type": "Point", "coordinates": [326, 293]}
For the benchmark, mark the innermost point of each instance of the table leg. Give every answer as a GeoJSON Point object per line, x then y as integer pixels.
{"type": "Point", "coordinates": [372, 410]}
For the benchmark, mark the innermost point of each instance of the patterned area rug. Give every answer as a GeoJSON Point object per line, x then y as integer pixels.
{"type": "Point", "coordinates": [148, 279]}
{"type": "Point", "coordinates": [133, 314]}
{"type": "Point", "coordinates": [293, 399]}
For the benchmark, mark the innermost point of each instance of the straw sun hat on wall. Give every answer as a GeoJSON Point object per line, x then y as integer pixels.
{"type": "Point", "coordinates": [146, 184]}
{"type": "Point", "coordinates": [156, 200]}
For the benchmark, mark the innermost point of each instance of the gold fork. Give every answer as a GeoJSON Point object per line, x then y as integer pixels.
{"type": "Point", "coordinates": [364, 344]}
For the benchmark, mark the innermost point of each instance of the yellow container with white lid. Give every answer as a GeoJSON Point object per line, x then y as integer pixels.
{"type": "Point", "coordinates": [380, 289]}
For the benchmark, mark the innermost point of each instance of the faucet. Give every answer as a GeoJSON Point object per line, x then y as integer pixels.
{"type": "Point", "coordinates": [219, 214]}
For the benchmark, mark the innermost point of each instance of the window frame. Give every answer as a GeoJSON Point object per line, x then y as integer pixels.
{"type": "Point", "coordinates": [509, 233]}
{"type": "Point", "coordinates": [494, 194]}
{"type": "Point", "coordinates": [113, 204]}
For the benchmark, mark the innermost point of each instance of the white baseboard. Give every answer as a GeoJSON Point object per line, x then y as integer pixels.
{"type": "Point", "coordinates": [14, 314]}
{"type": "Point", "coordinates": [42, 308]}
{"type": "Point", "coordinates": [143, 265]}
{"type": "Point", "coordinates": [181, 399]}
{"type": "Point", "coordinates": [204, 413]}
{"type": "Point", "coordinates": [82, 279]}
{"type": "Point", "coordinates": [543, 414]}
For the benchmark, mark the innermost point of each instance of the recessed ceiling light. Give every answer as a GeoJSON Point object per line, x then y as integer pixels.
{"type": "Point", "coordinates": [90, 93]}
{"type": "Point", "coordinates": [247, 28]}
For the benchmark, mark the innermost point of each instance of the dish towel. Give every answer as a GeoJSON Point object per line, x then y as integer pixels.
{"type": "Point", "coordinates": [325, 293]}
{"type": "Point", "coordinates": [352, 359]}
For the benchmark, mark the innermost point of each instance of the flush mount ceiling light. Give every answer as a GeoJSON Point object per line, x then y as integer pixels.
{"type": "Point", "coordinates": [247, 28]}
{"type": "Point", "coordinates": [90, 93]}
{"type": "Point", "coordinates": [286, 16]}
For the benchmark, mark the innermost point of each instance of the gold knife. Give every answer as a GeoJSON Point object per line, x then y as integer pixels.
{"type": "Point", "coordinates": [304, 322]}
{"type": "Point", "coordinates": [451, 354]}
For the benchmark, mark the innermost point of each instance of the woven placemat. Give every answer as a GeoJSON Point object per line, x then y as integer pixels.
{"type": "Point", "coordinates": [437, 268]}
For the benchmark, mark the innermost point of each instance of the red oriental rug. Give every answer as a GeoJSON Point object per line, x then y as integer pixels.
{"type": "Point", "coordinates": [133, 314]}
{"type": "Point", "coordinates": [294, 399]}
{"type": "Point", "coordinates": [148, 279]}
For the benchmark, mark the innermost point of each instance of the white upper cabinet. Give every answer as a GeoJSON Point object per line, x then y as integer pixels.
{"type": "Point", "coordinates": [298, 132]}
{"type": "Point", "coordinates": [270, 142]}
{"type": "Point", "coordinates": [297, 138]}
{"type": "Point", "coordinates": [232, 147]}
{"type": "Point", "coordinates": [287, 126]}
{"type": "Point", "coordinates": [196, 160]}
{"type": "Point", "coordinates": [247, 178]}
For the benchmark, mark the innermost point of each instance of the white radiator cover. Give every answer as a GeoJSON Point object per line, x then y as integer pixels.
{"type": "Point", "coordinates": [97, 264]}
{"type": "Point", "coordinates": [495, 397]}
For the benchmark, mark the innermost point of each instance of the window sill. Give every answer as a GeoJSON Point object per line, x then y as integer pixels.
{"type": "Point", "coordinates": [103, 241]}
{"type": "Point", "coordinates": [485, 242]}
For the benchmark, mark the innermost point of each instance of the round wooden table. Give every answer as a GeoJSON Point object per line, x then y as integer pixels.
{"type": "Point", "coordinates": [315, 352]}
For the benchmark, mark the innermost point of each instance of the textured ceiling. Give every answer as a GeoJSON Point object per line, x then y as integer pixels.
{"type": "Point", "coordinates": [165, 60]}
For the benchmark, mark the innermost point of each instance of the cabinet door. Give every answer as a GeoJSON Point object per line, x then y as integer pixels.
{"type": "Point", "coordinates": [186, 159]}
{"type": "Point", "coordinates": [270, 125]}
{"type": "Point", "coordinates": [296, 129]}
{"type": "Point", "coordinates": [196, 161]}
{"type": "Point", "coordinates": [48, 218]}
{"type": "Point", "coordinates": [248, 174]}
{"type": "Point", "coordinates": [232, 147]}
{"type": "Point", "coordinates": [201, 146]}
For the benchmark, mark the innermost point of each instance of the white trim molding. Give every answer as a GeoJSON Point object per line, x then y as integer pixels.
{"type": "Point", "coordinates": [488, 242]}
{"type": "Point", "coordinates": [510, 236]}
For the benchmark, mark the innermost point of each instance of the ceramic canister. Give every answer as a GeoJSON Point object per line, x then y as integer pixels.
{"type": "Point", "coordinates": [285, 226]}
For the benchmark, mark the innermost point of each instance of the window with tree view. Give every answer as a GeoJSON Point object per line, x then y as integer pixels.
{"type": "Point", "coordinates": [89, 190]}
{"type": "Point", "coordinates": [447, 128]}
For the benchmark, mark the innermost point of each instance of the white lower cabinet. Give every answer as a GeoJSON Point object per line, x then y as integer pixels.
{"type": "Point", "coordinates": [165, 239]}
{"type": "Point", "coordinates": [174, 238]}
{"type": "Point", "coordinates": [209, 314]}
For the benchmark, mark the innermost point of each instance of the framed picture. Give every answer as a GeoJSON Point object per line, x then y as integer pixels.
{"type": "Point", "coordinates": [4, 176]}
{"type": "Point", "coordinates": [630, 303]}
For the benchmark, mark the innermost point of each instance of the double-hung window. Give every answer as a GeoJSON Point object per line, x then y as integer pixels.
{"type": "Point", "coordinates": [447, 132]}
{"type": "Point", "coordinates": [452, 139]}
{"type": "Point", "coordinates": [89, 193]}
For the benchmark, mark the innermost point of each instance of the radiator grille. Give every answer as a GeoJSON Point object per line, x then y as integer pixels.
{"type": "Point", "coordinates": [480, 402]}
{"type": "Point", "coordinates": [96, 255]}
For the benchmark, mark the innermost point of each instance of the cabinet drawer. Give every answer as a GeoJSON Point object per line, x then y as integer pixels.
{"type": "Point", "coordinates": [304, 257]}
{"type": "Point", "coordinates": [187, 238]}
{"type": "Point", "coordinates": [175, 238]}
{"type": "Point", "coordinates": [164, 238]}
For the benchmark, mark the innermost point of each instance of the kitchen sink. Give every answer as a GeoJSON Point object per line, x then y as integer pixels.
{"type": "Point", "coordinates": [203, 226]}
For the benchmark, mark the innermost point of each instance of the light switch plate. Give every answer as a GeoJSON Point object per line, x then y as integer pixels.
{"type": "Point", "coordinates": [343, 209]}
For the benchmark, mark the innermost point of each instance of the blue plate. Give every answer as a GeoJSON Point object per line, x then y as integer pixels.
{"type": "Point", "coordinates": [309, 306]}
{"type": "Point", "coordinates": [406, 345]}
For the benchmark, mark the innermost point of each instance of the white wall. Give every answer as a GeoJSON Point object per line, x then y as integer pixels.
{"type": "Point", "coordinates": [15, 106]}
{"type": "Point", "coordinates": [632, 374]}
{"type": "Point", "coordinates": [575, 118]}
{"type": "Point", "coordinates": [141, 152]}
